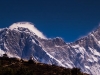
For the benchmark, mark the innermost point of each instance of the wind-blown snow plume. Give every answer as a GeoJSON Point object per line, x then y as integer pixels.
{"type": "Point", "coordinates": [28, 25]}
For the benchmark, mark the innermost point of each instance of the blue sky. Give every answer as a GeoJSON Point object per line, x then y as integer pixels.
{"type": "Point", "coordinates": [69, 19]}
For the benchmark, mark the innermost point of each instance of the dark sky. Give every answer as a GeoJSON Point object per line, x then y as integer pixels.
{"type": "Point", "coordinates": [69, 19]}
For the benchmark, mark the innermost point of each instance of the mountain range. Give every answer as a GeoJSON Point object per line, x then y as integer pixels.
{"type": "Point", "coordinates": [23, 40]}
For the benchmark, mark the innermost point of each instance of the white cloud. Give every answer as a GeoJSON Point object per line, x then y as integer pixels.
{"type": "Point", "coordinates": [30, 26]}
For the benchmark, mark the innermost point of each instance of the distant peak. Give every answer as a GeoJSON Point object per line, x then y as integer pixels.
{"type": "Point", "coordinates": [58, 38]}
{"type": "Point", "coordinates": [59, 41]}
{"type": "Point", "coordinates": [28, 25]}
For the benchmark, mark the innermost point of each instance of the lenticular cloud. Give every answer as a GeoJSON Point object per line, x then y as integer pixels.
{"type": "Point", "coordinates": [28, 25]}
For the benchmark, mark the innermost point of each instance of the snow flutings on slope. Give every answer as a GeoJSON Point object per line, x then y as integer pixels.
{"type": "Point", "coordinates": [95, 52]}
{"type": "Point", "coordinates": [98, 42]}
{"type": "Point", "coordinates": [91, 57]}
{"type": "Point", "coordinates": [79, 49]}
{"type": "Point", "coordinates": [55, 59]}
{"type": "Point", "coordinates": [82, 50]}
{"type": "Point", "coordinates": [28, 25]}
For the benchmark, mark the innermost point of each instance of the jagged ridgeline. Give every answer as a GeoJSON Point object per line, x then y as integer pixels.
{"type": "Point", "coordinates": [22, 40]}
{"type": "Point", "coordinates": [15, 66]}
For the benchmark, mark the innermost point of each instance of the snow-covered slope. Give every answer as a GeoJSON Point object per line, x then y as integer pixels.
{"type": "Point", "coordinates": [28, 25]}
{"type": "Point", "coordinates": [20, 41]}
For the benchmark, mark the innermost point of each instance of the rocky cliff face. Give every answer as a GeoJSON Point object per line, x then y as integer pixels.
{"type": "Point", "coordinates": [83, 53]}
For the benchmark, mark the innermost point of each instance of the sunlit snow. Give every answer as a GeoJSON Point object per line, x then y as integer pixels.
{"type": "Point", "coordinates": [28, 25]}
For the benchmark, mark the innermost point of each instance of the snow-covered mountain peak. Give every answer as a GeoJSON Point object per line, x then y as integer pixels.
{"type": "Point", "coordinates": [59, 41]}
{"type": "Point", "coordinates": [27, 25]}
{"type": "Point", "coordinates": [83, 53]}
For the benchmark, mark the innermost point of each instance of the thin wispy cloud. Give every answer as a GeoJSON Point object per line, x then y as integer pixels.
{"type": "Point", "coordinates": [30, 26]}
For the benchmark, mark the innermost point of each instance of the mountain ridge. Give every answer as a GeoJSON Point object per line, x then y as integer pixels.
{"type": "Point", "coordinates": [83, 53]}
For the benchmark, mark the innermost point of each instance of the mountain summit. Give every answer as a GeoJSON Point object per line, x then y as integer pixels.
{"type": "Point", "coordinates": [28, 25]}
{"type": "Point", "coordinates": [21, 40]}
